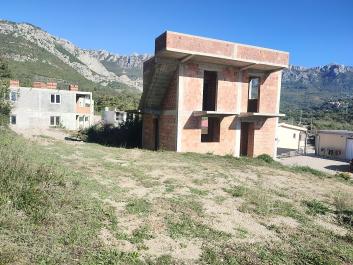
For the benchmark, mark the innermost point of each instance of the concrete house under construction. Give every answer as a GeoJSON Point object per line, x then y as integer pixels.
{"type": "Point", "coordinates": [205, 95]}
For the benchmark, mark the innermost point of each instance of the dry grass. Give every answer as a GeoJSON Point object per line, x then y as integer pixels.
{"type": "Point", "coordinates": [168, 208]}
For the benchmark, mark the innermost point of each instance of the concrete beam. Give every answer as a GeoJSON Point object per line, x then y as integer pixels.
{"type": "Point", "coordinates": [187, 58]}
{"type": "Point", "coordinates": [247, 67]}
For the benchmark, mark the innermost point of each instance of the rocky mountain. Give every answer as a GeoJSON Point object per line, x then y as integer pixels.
{"type": "Point", "coordinates": [33, 53]}
{"type": "Point", "coordinates": [302, 87]}
{"type": "Point", "coordinates": [29, 48]}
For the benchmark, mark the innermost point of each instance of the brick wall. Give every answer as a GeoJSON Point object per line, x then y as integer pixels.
{"type": "Point", "coordinates": [167, 132]}
{"type": "Point", "coordinates": [191, 84]}
{"type": "Point", "coordinates": [147, 131]}
{"type": "Point", "coordinates": [197, 44]}
{"type": "Point", "coordinates": [264, 136]}
{"type": "Point", "coordinates": [216, 48]}
{"type": "Point", "coordinates": [269, 92]}
{"type": "Point", "coordinates": [167, 122]}
{"type": "Point", "coordinates": [263, 55]}
{"type": "Point", "coordinates": [245, 91]}
{"type": "Point", "coordinates": [169, 100]}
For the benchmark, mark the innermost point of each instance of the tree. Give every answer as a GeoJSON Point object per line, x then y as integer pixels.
{"type": "Point", "coordinates": [5, 107]}
{"type": "Point", "coordinates": [4, 70]}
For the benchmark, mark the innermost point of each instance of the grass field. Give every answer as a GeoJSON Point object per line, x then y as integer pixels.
{"type": "Point", "coordinates": [78, 203]}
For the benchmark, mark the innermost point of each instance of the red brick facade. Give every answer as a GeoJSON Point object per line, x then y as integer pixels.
{"type": "Point", "coordinates": [179, 127]}
{"type": "Point", "coordinates": [148, 136]}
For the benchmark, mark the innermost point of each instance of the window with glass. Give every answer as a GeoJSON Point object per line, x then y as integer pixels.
{"type": "Point", "coordinates": [54, 120]}
{"type": "Point", "coordinates": [55, 99]}
{"type": "Point", "coordinates": [254, 87]}
{"type": "Point", "coordinates": [254, 94]}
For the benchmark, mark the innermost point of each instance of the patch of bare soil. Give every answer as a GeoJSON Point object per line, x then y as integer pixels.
{"type": "Point", "coordinates": [109, 240]}
{"type": "Point", "coordinates": [329, 225]}
{"type": "Point", "coordinates": [183, 249]}
{"type": "Point", "coordinates": [225, 217]}
{"type": "Point", "coordinates": [284, 221]}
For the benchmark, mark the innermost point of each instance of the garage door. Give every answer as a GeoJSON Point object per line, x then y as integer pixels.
{"type": "Point", "coordinates": [349, 149]}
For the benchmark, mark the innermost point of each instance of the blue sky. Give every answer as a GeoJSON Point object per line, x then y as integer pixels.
{"type": "Point", "coordinates": [314, 32]}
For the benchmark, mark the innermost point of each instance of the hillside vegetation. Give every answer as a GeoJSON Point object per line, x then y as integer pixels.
{"type": "Point", "coordinates": [78, 203]}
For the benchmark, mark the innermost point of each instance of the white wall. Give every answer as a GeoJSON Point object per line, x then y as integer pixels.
{"type": "Point", "coordinates": [334, 142]}
{"type": "Point", "coordinates": [33, 108]}
{"type": "Point", "coordinates": [287, 140]}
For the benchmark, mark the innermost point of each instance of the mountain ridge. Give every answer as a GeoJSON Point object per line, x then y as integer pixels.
{"type": "Point", "coordinates": [95, 66]}
{"type": "Point", "coordinates": [35, 53]}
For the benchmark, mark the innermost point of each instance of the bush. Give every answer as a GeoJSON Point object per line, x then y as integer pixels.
{"type": "Point", "coordinates": [5, 107]}
{"type": "Point", "coordinates": [343, 175]}
{"type": "Point", "coordinates": [24, 185]}
{"type": "Point", "coordinates": [344, 208]}
{"type": "Point", "coordinates": [126, 135]}
{"type": "Point", "coordinates": [316, 207]}
{"type": "Point", "coordinates": [236, 191]}
{"type": "Point", "coordinates": [266, 158]}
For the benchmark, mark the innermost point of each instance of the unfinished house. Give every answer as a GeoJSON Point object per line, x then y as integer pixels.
{"type": "Point", "coordinates": [205, 95]}
{"type": "Point", "coordinates": [45, 106]}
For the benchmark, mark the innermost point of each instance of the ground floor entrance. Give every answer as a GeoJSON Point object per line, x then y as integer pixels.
{"type": "Point", "coordinates": [246, 138]}
{"type": "Point", "coordinates": [82, 121]}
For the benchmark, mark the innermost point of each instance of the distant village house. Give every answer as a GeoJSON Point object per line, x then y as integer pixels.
{"type": "Point", "coordinates": [114, 117]}
{"type": "Point", "coordinates": [335, 144]}
{"type": "Point", "coordinates": [45, 106]}
{"type": "Point", "coordinates": [291, 138]}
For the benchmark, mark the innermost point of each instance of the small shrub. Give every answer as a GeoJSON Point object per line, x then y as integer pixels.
{"type": "Point", "coordinates": [236, 191]}
{"type": "Point", "coordinates": [266, 158]}
{"type": "Point", "coordinates": [126, 135]}
{"type": "Point", "coordinates": [343, 175]}
{"type": "Point", "coordinates": [112, 256]}
{"type": "Point", "coordinates": [198, 191]}
{"type": "Point", "coordinates": [316, 207]}
{"type": "Point", "coordinates": [344, 208]}
{"type": "Point", "coordinates": [138, 206]}
{"type": "Point", "coordinates": [140, 234]}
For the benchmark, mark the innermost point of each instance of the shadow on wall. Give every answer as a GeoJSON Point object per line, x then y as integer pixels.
{"type": "Point", "coordinates": [127, 135]}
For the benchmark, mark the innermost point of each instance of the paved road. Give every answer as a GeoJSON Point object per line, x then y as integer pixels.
{"type": "Point", "coordinates": [326, 165]}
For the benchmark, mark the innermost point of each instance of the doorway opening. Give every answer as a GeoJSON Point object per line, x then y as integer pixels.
{"type": "Point", "coordinates": [156, 133]}
{"type": "Point", "coordinates": [246, 138]}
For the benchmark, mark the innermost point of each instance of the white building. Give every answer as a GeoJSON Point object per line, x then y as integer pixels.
{"type": "Point", "coordinates": [113, 117]}
{"type": "Point", "coordinates": [335, 144]}
{"type": "Point", "coordinates": [291, 138]}
{"type": "Point", "coordinates": [44, 106]}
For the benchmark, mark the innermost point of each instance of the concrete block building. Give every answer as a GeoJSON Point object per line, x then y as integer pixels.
{"type": "Point", "coordinates": [114, 117]}
{"type": "Point", "coordinates": [45, 106]}
{"type": "Point", "coordinates": [291, 139]}
{"type": "Point", "coordinates": [335, 144]}
{"type": "Point", "coordinates": [205, 95]}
